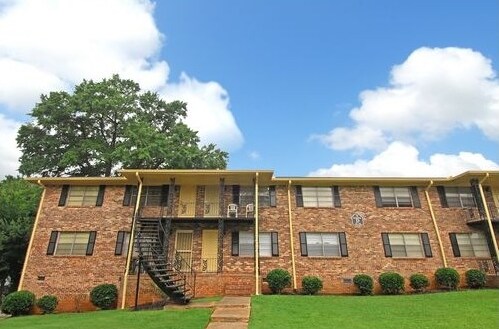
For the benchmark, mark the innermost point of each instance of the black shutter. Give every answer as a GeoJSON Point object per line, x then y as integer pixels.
{"type": "Point", "coordinates": [91, 243]}
{"type": "Point", "coordinates": [303, 244]}
{"type": "Point", "coordinates": [272, 196]}
{"type": "Point", "coordinates": [377, 197]}
{"type": "Point", "coordinates": [52, 242]}
{"type": "Point", "coordinates": [235, 194]}
{"type": "Point", "coordinates": [299, 196]}
{"type": "Point", "coordinates": [416, 203]}
{"type": "Point", "coordinates": [275, 243]}
{"type": "Point", "coordinates": [100, 196]}
{"type": "Point", "coordinates": [441, 195]}
{"type": "Point", "coordinates": [426, 245]}
{"type": "Point", "coordinates": [235, 243]}
{"type": "Point", "coordinates": [64, 195]}
{"type": "Point", "coordinates": [386, 244]}
{"type": "Point", "coordinates": [455, 245]}
{"type": "Point", "coordinates": [336, 197]}
{"type": "Point", "coordinates": [128, 195]}
{"type": "Point", "coordinates": [164, 195]}
{"type": "Point", "coordinates": [118, 250]}
{"type": "Point", "coordinates": [343, 244]}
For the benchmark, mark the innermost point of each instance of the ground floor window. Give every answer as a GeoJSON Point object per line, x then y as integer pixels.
{"type": "Point", "coordinates": [406, 245]}
{"type": "Point", "coordinates": [71, 243]}
{"type": "Point", "coordinates": [243, 244]}
{"type": "Point", "coordinates": [469, 244]}
{"type": "Point", "coordinates": [323, 244]}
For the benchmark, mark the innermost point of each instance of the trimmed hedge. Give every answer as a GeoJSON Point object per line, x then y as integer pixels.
{"type": "Point", "coordinates": [311, 284]}
{"type": "Point", "coordinates": [419, 282]}
{"type": "Point", "coordinates": [104, 296]}
{"type": "Point", "coordinates": [447, 278]}
{"type": "Point", "coordinates": [364, 283]}
{"type": "Point", "coordinates": [391, 283]}
{"type": "Point", "coordinates": [475, 279]}
{"type": "Point", "coordinates": [278, 279]}
{"type": "Point", "coordinates": [18, 303]}
{"type": "Point", "coordinates": [47, 304]}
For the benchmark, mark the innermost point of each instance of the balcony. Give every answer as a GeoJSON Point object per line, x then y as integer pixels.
{"type": "Point", "coordinates": [472, 215]}
{"type": "Point", "coordinates": [205, 211]}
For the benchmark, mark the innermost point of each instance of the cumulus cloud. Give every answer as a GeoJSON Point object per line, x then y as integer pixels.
{"type": "Point", "coordinates": [402, 159]}
{"type": "Point", "coordinates": [433, 92]}
{"type": "Point", "coordinates": [8, 149]}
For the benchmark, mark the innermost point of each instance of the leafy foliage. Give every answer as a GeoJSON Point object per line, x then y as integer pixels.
{"type": "Point", "coordinates": [104, 296]}
{"type": "Point", "coordinates": [278, 279]}
{"type": "Point", "coordinates": [419, 282]}
{"type": "Point", "coordinates": [391, 283]}
{"type": "Point", "coordinates": [311, 284]}
{"type": "Point", "coordinates": [364, 283]}
{"type": "Point", "coordinates": [109, 124]}
{"type": "Point", "coordinates": [47, 304]}
{"type": "Point", "coordinates": [475, 279]}
{"type": "Point", "coordinates": [447, 278]}
{"type": "Point", "coordinates": [18, 303]}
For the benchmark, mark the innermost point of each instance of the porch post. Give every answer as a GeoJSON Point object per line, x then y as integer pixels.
{"type": "Point", "coordinates": [257, 243]}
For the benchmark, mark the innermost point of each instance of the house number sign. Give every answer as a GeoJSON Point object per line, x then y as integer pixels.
{"type": "Point", "coordinates": [358, 219]}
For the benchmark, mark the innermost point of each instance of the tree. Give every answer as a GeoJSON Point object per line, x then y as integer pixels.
{"type": "Point", "coordinates": [105, 125]}
{"type": "Point", "coordinates": [18, 204]}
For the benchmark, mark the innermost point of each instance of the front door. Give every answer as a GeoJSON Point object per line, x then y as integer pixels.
{"type": "Point", "coordinates": [187, 203]}
{"type": "Point", "coordinates": [183, 249]}
{"type": "Point", "coordinates": [211, 201]}
{"type": "Point", "coordinates": [209, 251]}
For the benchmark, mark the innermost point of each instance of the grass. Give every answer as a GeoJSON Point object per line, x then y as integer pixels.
{"type": "Point", "coordinates": [167, 319]}
{"type": "Point", "coordinates": [464, 309]}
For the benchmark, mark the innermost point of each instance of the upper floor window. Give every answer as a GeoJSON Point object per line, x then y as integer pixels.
{"type": "Point", "coordinates": [409, 245]}
{"type": "Point", "coordinates": [396, 197]}
{"type": "Point", "coordinates": [80, 196]}
{"type": "Point", "coordinates": [469, 244]}
{"type": "Point", "coordinates": [460, 197]}
{"type": "Point", "coordinates": [318, 196]}
{"type": "Point", "coordinates": [71, 243]}
{"type": "Point", "coordinates": [323, 244]}
{"type": "Point", "coordinates": [244, 195]}
{"type": "Point", "coordinates": [150, 195]}
{"type": "Point", "coordinates": [266, 196]}
{"type": "Point", "coordinates": [122, 242]}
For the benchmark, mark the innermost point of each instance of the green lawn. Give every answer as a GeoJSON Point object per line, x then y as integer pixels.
{"type": "Point", "coordinates": [465, 309]}
{"type": "Point", "coordinates": [168, 319]}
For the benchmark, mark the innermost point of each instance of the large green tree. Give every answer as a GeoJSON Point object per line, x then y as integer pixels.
{"type": "Point", "coordinates": [18, 204]}
{"type": "Point", "coordinates": [103, 126]}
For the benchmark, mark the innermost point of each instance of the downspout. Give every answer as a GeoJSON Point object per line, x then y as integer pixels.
{"type": "Point", "coordinates": [32, 237]}
{"type": "Point", "coordinates": [257, 242]}
{"type": "Point", "coordinates": [437, 231]}
{"type": "Point", "coordinates": [131, 242]}
{"type": "Point", "coordinates": [487, 214]}
{"type": "Point", "coordinates": [291, 237]}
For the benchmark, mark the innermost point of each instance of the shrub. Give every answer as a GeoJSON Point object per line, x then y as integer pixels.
{"type": "Point", "coordinates": [47, 304]}
{"type": "Point", "coordinates": [419, 282]}
{"type": "Point", "coordinates": [391, 283]}
{"type": "Point", "coordinates": [278, 279]}
{"type": "Point", "coordinates": [475, 278]}
{"type": "Point", "coordinates": [104, 296]}
{"type": "Point", "coordinates": [447, 278]}
{"type": "Point", "coordinates": [311, 284]}
{"type": "Point", "coordinates": [18, 303]}
{"type": "Point", "coordinates": [364, 283]}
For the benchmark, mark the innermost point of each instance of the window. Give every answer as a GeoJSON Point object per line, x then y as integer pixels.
{"type": "Point", "coordinates": [266, 196]}
{"type": "Point", "coordinates": [469, 244]}
{"type": "Point", "coordinates": [246, 195]}
{"type": "Point", "coordinates": [243, 244]}
{"type": "Point", "coordinates": [456, 197]}
{"type": "Point", "coordinates": [323, 244]}
{"type": "Point", "coordinates": [269, 244]}
{"type": "Point", "coordinates": [122, 242]}
{"type": "Point", "coordinates": [406, 245]}
{"type": "Point", "coordinates": [78, 196]}
{"type": "Point", "coordinates": [150, 196]}
{"type": "Point", "coordinates": [315, 197]}
{"type": "Point", "coordinates": [71, 243]}
{"type": "Point", "coordinates": [396, 197]}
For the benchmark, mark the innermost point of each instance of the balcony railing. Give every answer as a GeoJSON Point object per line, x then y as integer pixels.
{"type": "Point", "coordinates": [472, 214]}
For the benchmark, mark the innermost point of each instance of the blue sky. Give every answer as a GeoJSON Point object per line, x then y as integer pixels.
{"type": "Point", "coordinates": [276, 82]}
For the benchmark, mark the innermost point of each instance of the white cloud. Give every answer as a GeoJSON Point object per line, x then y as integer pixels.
{"type": "Point", "coordinates": [435, 91]}
{"type": "Point", "coordinates": [402, 159]}
{"type": "Point", "coordinates": [254, 155]}
{"type": "Point", "coordinates": [8, 150]}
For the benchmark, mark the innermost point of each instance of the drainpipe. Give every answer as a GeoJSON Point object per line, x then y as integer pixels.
{"type": "Point", "coordinates": [131, 242]}
{"type": "Point", "coordinates": [433, 218]}
{"type": "Point", "coordinates": [257, 242]}
{"type": "Point", "coordinates": [487, 214]}
{"type": "Point", "coordinates": [291, 237]}
{"type": "Point", "coordinates": [30, 245]}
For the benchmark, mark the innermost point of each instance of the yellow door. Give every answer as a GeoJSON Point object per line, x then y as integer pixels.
{"type": "Point", "coordinates": [209, 251]}
{"type": "Point", "coordinates": [183, 250]}
{"type": "Point", "coordinates": [211, 201]}
{"type": "Point", "coordinates": [187, 203]}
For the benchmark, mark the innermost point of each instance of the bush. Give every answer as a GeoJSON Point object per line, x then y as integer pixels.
{"type": "Point", "coordinates": [18, 303]}
{"type": "Point", "coordinates": [447, 278]}
{"type": "Point", "coordinates": [475, 279]}
{"type": "Point", "coordinates": [391, 283]}
{"type": "Point", "coordinates": [104, 296]}
{"type": "Point", "coordinates": [364, 283]}
{"type": "Point", "coordinates": [311, 284]}
{"type": "Point", "coordinates": [419, 282]}
{"type": "Point", "coordinates": [47, 304]}
{"type": "Point", "coordinates": [278, 279]}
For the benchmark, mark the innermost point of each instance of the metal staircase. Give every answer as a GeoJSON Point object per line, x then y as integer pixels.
{"type": "Point", "coordinates": [174, 276]}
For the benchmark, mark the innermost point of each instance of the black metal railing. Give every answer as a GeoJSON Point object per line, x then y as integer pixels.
{"type": "Point", "coordinates": [185, 270]}
{"type": "Point", "coordinates": [472, 214]}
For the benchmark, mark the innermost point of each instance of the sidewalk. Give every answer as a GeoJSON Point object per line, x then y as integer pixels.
{"type": "Point", "coordinates": [231, 312]}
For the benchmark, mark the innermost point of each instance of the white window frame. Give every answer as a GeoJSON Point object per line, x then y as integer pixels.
{"type": "Point", "coordinates": [317, 196]}
{"type": "Point", "coordinates": [73, 237]}
{"type": "Point", "coordinates": [459, 197]}
{"type": "Point", "coordinates": [400, 250]}
{"type": "Point", "coordinates": [82, 195]}
{"type": "Point", "coordinates": [392, 197]}
{"type": "Point", "coordinates": [320, 244]}
{"type": "Point", "coordinates": [473, 244]}
{"type": "Point", "coordinates": [246, 244]}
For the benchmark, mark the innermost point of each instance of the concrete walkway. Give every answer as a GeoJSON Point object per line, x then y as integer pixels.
{"type": "Point", "coordinates": [231, 312]}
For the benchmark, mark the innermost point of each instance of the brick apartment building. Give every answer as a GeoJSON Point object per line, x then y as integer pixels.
{"type": "Point", "coordinates": [195, 231]}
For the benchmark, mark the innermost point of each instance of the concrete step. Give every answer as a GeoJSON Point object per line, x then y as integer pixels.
{"type": "Point", "coordinates": [234, 302]}
{"type": "Point", "coordinates": [231, 314]}
{"type": "Point", "coordinates": [227, 325]}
